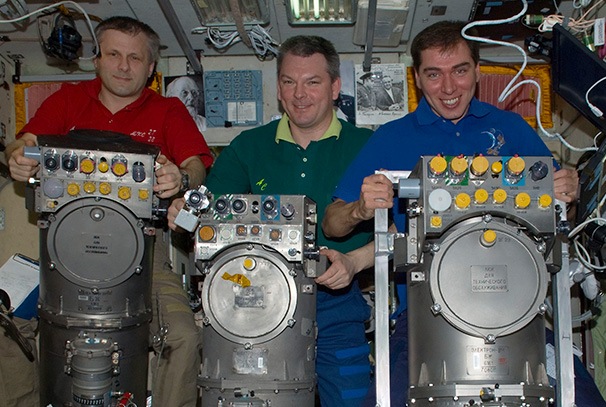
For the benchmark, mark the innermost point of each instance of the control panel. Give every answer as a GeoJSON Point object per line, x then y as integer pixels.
{"type": "Point", "coordinates": [233, 98]}
{"type": "Point", "coordinates": [456, 187]}
{"type": "Point", "coordinates": [71, 168]}
{"type": "Point", "coordinates": [284, 223]}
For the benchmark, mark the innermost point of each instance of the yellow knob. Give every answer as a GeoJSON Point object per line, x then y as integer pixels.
{"type": "Point", "coordinates": [458, 165]}
{"type": "Point", "coordinates": [462, 200]}
{"type": "Point", "coordinates": [480, 196]}
{"type": "Point", "coordinates": [87, 165]}
{"type": "Point", "coordinates": [545, 201]}
{"type": "Point", "coordinates": [249, 263]}
{"type": "Point", "coordinates": [73, 189]}
{"type": "Point", "coordinates": [479, 165]}
{"type": "Point", "coordinates": [499, 196]}
{"type": "Point", "coordinates": [489, 237]}
{"type": "Point", "coordinates": [103, 166]}
{"type": "Point", "coordinates": [437, 165]}
{"type": "Point", "coordinates": [206, 233]}
{"type": "Point", "coordinates": [436, 221]}
{"type": "Point", "coordinates": [144, 194]}
{"type": "Point", "coordinates": [496, 167]}
{"type": "Point", "coordinates": [515, 165]}
{"type": "Point", "coordinates": [522, 200]}
{"type": "Point", "coordinates": [124, 192]}
{"type": "Point", "coordinates": [89, 187]}
{"type": "Point", "coordinates": [119, 169]}
{"type": "Point", "coordinates": [105, 188]}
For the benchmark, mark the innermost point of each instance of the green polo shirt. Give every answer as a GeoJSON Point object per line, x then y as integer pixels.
{"type": "Point", "coordinates": [266, 160]}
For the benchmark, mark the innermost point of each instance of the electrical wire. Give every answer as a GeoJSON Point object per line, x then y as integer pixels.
{"type": "Point", "coordinates": [512, 86]}
{"type": "Point", "coordinates": [582, 24]}
{"type": "Point", "coordinates": [261, 41]}
{"type": "Point", "coordinates": [594, 109]}
{"type": "Point", "coordinates": [582, 254]}
{"type": "Point", "coordinates": [57, 5]}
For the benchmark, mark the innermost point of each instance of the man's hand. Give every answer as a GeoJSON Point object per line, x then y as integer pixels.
{"type": "Point", "coordinates": [168, 178]}
{"type": "Point", "coordinates": [341, 218]}
{"type": "Point", "coordinates": [376, 193]}
{"type": "Point", "coordinates": [173, 211]}
{"type": "Point", "coordinates": [341, 271]}
{"type": "Point", "coordinates": [566, 185]}
{"type": "Point", "coordinates": [21, 167]}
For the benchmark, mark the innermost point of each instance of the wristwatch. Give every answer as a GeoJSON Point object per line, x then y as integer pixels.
{"type": "Point", "coordinates": [184, 181]}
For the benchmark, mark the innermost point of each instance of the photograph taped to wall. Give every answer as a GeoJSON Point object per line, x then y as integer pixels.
{"type": "Point", "coordinates": [189, 89]}
{"type": "Point", "coordinates": [381, 93]}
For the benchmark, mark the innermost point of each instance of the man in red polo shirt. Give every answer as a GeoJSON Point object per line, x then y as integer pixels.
{"type": "Point", "coordinates": [118, 100]}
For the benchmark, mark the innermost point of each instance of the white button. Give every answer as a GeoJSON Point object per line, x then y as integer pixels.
{"type": "Point", "coordinates": [304, 159]}
{"type": "Point", "coordinates": [302, 175]}
{"type": "Point", "coordinates": [458, 134]}
{"type": "Point", "coordinates": [439, 200]}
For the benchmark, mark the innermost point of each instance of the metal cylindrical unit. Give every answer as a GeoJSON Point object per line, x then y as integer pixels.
{"type": "Point", "coordinates": [476, 331]}
{"type": "Point", "coordinates": [92, 367]}
{"type": "Point", "coordinates": [259, 333]}
{"type": "Point", "coordinates": [95, 265]}
{"type": "Point", "coordinates": [95, 290]}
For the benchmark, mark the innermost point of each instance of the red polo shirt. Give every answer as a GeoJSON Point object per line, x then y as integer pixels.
{"type": "Point", "coordinates": [151, 119]}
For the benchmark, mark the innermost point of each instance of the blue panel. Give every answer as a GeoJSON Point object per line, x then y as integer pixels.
{"type": "Point", "coordinates": [233, 98]}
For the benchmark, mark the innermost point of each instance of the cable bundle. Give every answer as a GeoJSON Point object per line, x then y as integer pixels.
{"type": "Point", "coordinates": [261, 41]}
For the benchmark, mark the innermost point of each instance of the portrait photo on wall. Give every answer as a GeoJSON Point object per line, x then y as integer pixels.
{"type": "Point", "coordinates": [189, 89]}
{"type": "Point", "coordinates": [381, 93]}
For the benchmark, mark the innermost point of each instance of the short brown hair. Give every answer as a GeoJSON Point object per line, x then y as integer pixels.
{"type": "Point", "coordinates": [445, 35]}
{"type": "Point", "coordinates": [132, 27]}
{"type": "Point", "coordinates": [307, 45]}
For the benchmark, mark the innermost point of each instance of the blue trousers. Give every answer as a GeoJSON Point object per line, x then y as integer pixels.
{"type": "Point", "coordinates": [398, 371]}
{"type": "Point", "coordinates": [342, 363]}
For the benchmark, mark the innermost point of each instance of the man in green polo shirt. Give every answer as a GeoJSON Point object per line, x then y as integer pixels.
{"type": "Point", "coordinates": [305, 153]}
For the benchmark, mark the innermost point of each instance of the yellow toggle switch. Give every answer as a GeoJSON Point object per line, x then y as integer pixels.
{"type": "Point", "coordinates": [479, 165]}
{"type": "Point", "coordinates": [545, 201]}
{"type": "Point", "coordinates": [437, 165]}
{"type": "Point", "coordinates": [499, 196]}
{"type": "Point", "coordinates": [522, 200]}
{"type": "Point", "coordinates": [462, 200]}
{"type": "Point", "coordinates": [480, 196]}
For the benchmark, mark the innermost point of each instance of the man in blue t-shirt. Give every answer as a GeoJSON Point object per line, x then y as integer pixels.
{"type": "Point", "coordinates": [450, 121]}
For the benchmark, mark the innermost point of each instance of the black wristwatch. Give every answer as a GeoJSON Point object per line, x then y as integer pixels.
{"type": "Point", "coordinates": [184, 181]}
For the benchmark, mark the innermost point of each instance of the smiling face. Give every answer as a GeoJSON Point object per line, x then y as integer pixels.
{"type": "Point", "coordinates": [387, 82]}
{"type": "Point", "coordinates": [307, 93]}
{"type": "Point", "coordinates": [448, 80]}
{"type": "Point", "coordinates": [124, 65]}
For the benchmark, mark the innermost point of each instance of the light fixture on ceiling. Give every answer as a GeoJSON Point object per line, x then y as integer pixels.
{"type": "Point", "coordinates": [220, 13]}
{"type": "Point", "coordinates": [328, 12]}
{"type": "Point", "coordinates": [388, 24]}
